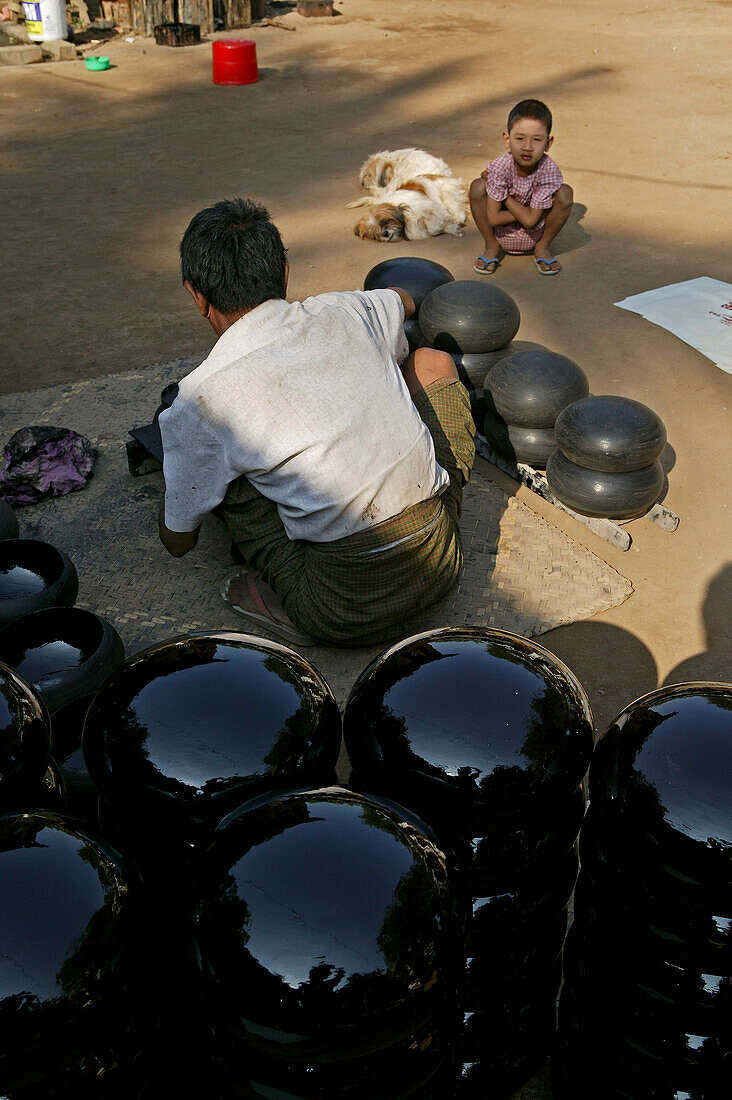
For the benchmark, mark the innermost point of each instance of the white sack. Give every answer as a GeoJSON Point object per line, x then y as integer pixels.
{"type": "Point", "coordinates": [698, 311]}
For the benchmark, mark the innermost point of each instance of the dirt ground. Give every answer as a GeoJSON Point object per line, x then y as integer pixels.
{"type": "Point", "coordinates": [103, 170]}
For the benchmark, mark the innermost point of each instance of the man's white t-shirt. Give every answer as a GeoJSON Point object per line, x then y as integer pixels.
{"type": "Point", "coordinates": [306, 399]}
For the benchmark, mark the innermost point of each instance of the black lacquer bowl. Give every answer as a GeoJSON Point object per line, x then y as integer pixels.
{"type": "Point", "coordinates": [34, 575]}
{"type": "Point", "coordinates": [65, 652]}
{"type": "Point", "coordinates": [469, 316]}
{"type": "Point", "coordinates": [414, 274]}
{"type": "Point", "coordinates": [610, 433]}
{"type": "Point", "coordinates": [327, 925]}
{"type": "Point", "coordinates": [648, 964]}
{"type": "Point", "coordinates": [453, 720]}
{"type": "Point", "coordinates": [662, 771]}
{"type": "Point", "coordinates": [191, 728]}
{"type": "Point", "coordinates": [63, 937]}
{"type": "Point", "coordinates": [25, 740]}
{"type": "Point", "coordinates": [532, 387]}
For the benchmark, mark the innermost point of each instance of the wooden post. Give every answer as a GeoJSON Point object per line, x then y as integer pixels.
{"type": "Point", "coordinates": [314, 7]}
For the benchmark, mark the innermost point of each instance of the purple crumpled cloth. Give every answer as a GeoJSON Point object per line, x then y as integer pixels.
{"type": "Point", "coordinates": [44, 462]}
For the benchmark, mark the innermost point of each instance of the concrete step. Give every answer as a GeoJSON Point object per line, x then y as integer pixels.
{"type": "Point", "coordinates": [57, 49]}
{"type": "Point", "coordinates": [20, 54]}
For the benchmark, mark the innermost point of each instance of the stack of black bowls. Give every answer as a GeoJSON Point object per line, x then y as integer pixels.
{"type": "Point", "coordinates": [327, 927]}
{"type": "Point", "coordinates": [67, 934]}
{"type": "Point", "coordinates": [475, 322]}
{"type": "Point", "coordinates": [69, 939]}
{"type": "Point", "coordinates": [487, 736]}
{"type": "Point", "coordinates": [63, 651]}
{"type": "Point", "coordinates": [525, 393]}
{"type": "Point", "coordinates": [181, 735]}
{"type": "Point", "coordinates": [646, 1009]}
{"type": "Point", "coordinates": [606, 462]}
{"type": "Point", "coordinates": [415, 275]}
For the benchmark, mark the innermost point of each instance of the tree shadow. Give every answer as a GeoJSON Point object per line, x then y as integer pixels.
{"type": "Point", "coordinates": [714, 662]}
{"type": "Point", "coordinates": [612, 664]}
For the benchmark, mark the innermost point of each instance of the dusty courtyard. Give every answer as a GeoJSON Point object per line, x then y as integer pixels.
{"type": "Point", "coordinates": [102, 171]}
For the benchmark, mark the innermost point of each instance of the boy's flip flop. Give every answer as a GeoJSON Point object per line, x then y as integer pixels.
{"type": "Point", "coordinates": [489, 260]}
{"type": "Point", "coordinates": [259, 613]}
{"type": "Point", "coordinates": [548, 270]}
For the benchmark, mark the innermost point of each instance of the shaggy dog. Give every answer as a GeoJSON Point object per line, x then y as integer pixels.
{"type": "Point", "coordinates": [413, 195]}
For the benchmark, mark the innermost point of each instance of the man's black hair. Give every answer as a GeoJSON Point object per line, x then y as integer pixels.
{"type": "Point", "coordinates": [233, 254]}
{"type": "Point", "coordinates": [534, 109]}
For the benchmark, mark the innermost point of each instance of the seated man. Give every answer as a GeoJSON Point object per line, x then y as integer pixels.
{"type": "Point", "coordinates": [336, 460]}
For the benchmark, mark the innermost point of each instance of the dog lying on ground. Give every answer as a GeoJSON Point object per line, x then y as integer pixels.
{"type": "Point", "coordinates": [413, 195]}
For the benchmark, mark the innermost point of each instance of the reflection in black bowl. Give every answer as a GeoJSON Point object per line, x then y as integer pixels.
{"type": "Point", "coordinates": [34, 575]}
{"type": "Point", "coordinates": [186, 731]}
{"type": "Point", "coordinates": [327, 925]}
{"type": "Point", "coordinates": [63, 935]}
{"type": "Point", "coordinates": [65, 652]}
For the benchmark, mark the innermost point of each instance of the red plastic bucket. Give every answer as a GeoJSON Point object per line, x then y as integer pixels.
{"type": "Point", "coordinates": [235, 61]}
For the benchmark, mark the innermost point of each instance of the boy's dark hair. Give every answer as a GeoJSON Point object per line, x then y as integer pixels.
{"type": "Point", "coordinates": [534, 109]}
{"type": "Point", "coordinates": [233, 254]}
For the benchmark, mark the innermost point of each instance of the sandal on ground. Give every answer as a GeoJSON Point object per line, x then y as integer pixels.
{"type": "Point", "coordinates": [549, 269]}
{"type": "Point", "coordinates": [259, 613]}
{"type": "Point", "coordinates": [492, 263]}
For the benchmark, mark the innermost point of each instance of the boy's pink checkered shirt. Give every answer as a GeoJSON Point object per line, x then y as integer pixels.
{"type": "Point", "coordinates": [536, 190]}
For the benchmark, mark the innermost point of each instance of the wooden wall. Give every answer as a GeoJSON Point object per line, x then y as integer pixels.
{"type": "Point", "coordinates": [149, 13]}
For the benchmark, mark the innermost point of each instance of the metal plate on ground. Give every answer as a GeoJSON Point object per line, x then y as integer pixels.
{"type": "Point", "coordinates": [521, 573]}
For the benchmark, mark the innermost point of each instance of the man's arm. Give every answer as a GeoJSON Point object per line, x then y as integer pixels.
{"type": "Point", "coordinates": [524, 215]}
{"type": "Point", "coordinates": [176, 543]}
{"type": "Point", "coordinates": [407, 300]}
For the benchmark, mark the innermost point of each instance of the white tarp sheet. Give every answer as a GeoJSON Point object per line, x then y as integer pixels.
{"type": "Point", "coordinates": [698, 311]}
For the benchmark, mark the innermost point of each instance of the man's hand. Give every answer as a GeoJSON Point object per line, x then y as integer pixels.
{"type": "Point", "coordinates": [176, 543]}
{"type": "Point", "coordinates": [524, 215]}
{"type": "Point", "coordinates": [407, 301]}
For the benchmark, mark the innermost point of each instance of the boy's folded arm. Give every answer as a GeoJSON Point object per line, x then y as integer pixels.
{"type": "Point", "coordinates": [497, 215]}
{"type": "Point", "coordinates": [526, 216]}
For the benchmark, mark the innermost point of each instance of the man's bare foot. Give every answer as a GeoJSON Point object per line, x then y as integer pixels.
{"type": "Point", "coordinates": [256, 601]}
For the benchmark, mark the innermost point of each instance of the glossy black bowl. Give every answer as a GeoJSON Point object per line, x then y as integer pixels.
{"type": "Point", "coordinates": [696, 998]}
{"type": "Point", "coordinates": [663, 771]}
{"type": "Point", "coordinates": [656, 1049]}
{"type": "Point", "coordinates": [456, 721]}
{"type": "Point", "coordinates": [63, 935]}
{"type": "Point", "coordinates": [191, 728]}
{"type": "Point", "coordinates": [25, 740]}
{"type": "Point", "coordinates": [518, 910]}
{"type": "Point", "coordinates": [414, 274]}
{"type": "Point", "coordinates": [65, 652]}
{"type": "Point", "coordinates": [327, 924]}
{"type": "Point", "coordinates": [34, 575]}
